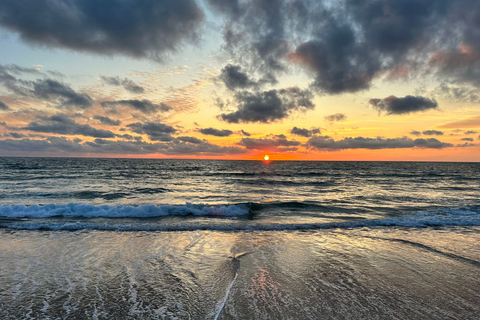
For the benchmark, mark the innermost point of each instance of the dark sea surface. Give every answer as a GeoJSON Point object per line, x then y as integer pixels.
{"type": "Point", "coordinates": [204, 239]}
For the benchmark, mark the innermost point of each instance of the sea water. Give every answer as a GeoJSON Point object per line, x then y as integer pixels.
{"type": "Point", "coordinates": [204, 239]}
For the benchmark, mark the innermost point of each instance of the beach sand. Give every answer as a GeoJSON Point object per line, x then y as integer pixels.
{"type": "Point", "coordinates": [379, 273]}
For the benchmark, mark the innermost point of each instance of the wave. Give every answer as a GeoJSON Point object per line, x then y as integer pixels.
{"type": "Point", "coordinates": [75, 217]}
{"type": "Point", "coordinates": [76, 210]}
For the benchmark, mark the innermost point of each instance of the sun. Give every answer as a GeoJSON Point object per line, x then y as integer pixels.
{"type": "Point", "coordinates": [266, 157]}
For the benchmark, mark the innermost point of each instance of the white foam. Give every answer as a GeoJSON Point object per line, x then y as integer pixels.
{"type": "Point", "coordinates": [119, 211]}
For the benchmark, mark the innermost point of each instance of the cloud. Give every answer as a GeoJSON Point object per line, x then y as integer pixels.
{"type": "Point", "coordinates": [108, 121]}
{"type": "Point", "coordinates": [328, 143]}
{"type": "Point", "coordinates": [304, 132]}
{"type": "Point", "coordinates": [3, 106]}
{"type": "Point", "coordinates": [472, 122]}
{"type": "Point", "coordinates": [62, 145]}
{"type": "Point", "coordinates": [433, 133]}
{"type": "Point", "coordinates": [216, 132]}
{"type": "Point", "coordinates": [245, 133]}
{"type": "Point", "coordinates": [415, 133]}
{"type": "Point", "coordinates": [405, 105]}
{"type": "Point", "coordinates": [144, 28]}
{"type": "Point", "coordinates": [345, 45]}
{"type": "Point", "coordinates": [48, 90]}
{"type": "Point", "coordinates": [145, 106]}
{"type": "Point", "coordinates": [269, 106]}
{"type": "Point", "coordinates": [61, 124]}
{"type": "Point", "coordinates": [337, 117]}
{"type": "Point", "coordinates": [192, 140]}
{"type": "Point", "coordinates": [273, 143]}
{"type": "Point", "coordinates": [466, 139]}
{"type": "Point", "coordinates": [51, 90]}
{"type": "Point", "coordinates": [470, 132]}
{"type": "Point", "coordinates": [235, 78]}
{"type": "Point", "coordinates": [128, 84]}
{"type": "Point", "coordinates": [155, 131]}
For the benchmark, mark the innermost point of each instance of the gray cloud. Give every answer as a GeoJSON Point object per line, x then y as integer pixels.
{"type": "Point", "coordinates": [405, 105]}
{"type": "Point", "coordinates": [470, 132]}
{"type": "Point", "coordinates": [304, 132]}
{"type": "Point", "coordinates": [192, 140]}
{"type": "Point", "coordinates": [108, 121]}
{"type": "Point", "coordinates": [415, 133]}
{"type": "Point", "coordinates": [273, 143]}
{"type": "Point", "coordinates": [155, 131]}
{"type": "Point", "coordinates": [269, 106]}
{"type": "Point", "coordinates": [345, 45]}
{"type": "Point", "coordinates": [128, 84]}
{"type": "Point", "coordinates": [51, 90]}
{"type": "Point", "coordinates": [44, 89]}
{"type": "Point", "coordinates": [62, 145]}
{"type": "Point", "coordinates": [433, 133]}
{"type": "Point", "coordinates": [247, 134]}
{"type": "Point", "coordinates": [235, 78]}
{"type": "Point", "coordinates": [145, 106]}
{"type": "Point", "coordinates": [61, 124]}
{"type": "Point", "coordinates": [216, 132]}
{"type": "Point", "coordinates": [337, 117]}
{"type": "Point", "coordinates": [144, 28]}
{"type": "Point", "coordinates": [3, 106]}
{"type": "Point", "coordinates": [466, 139]}
{"type": "Point", "coordinates": [328, 143]}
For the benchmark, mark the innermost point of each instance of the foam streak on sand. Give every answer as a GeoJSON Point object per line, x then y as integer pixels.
{"type": "Point", "coordinates": [224, 300]}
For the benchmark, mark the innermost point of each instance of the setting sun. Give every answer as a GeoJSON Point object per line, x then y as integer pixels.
{"type": "Point", "coordinates": [266, 157]}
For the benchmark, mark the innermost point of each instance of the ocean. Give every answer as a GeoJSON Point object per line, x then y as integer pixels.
{"type": "Point", "coordinates": [205, 239]}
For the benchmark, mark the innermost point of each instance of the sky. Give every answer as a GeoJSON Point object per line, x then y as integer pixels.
{"type": "Point", "coordinates": [394, 80]}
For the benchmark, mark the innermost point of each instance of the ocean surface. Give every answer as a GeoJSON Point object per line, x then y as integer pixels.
{"type": "Point", "coordinates": [204, 239]}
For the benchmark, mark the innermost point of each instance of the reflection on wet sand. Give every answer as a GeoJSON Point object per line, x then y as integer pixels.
{"type": "Point", "coordinates": [332, 274]}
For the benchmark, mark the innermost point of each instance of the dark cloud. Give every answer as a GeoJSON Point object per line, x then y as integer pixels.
{"type": "Point", "coordinates": [16, 135]}
{"type": "Point", "coordinates": [145, 28]}
{"type": "Point", "coordinates": [235, 78]}
{"type": "Point", "coordinates": [216, 132]}
{"type": "Point", "coordinates": [52, 90]}
{"type": "Point", "coordinates": [337, 117]}
{"type": "Point", "coordinates": [472, 122]}
{"type": "Point", "coordinates": [272, 143]}
{"type": "Point", "coordinates": [470, 132]}
{"type": "Point", "coordinates": [328, 143]}
{"type": "Point", "coordinates": [405, 105]}
{"type": "Point", "coordinates": [3, 106]}
{"type": "Point", "coordinates": [128, 84]}
{"type": "Point", "coordinates": [415, 133]}
{"type": "Point", "coordinates": [304, 132]}
{"type": "Point", "coordinates": [62, 145]}
{"type": "Point", "coordinates": [61, 124]}
{"type": "Point", "coordinates": [433, 133]}
{"type": "Point", "coordinates": [48, 90]}
{"type": "Point", "coordinates": [145, 106]}
{"type": "Point", "coordinates": [108, 121]}
{"type": "Point", "coordinates": [245, 133]}
{"type": "Point", "coordinates": [466, 139]}
{"type": "Point", "coordinates": [192, 140]}
{"type": "Point", "coordinates": [155, 131]}
{"type": "Point", "coordinates": [269, 106]}
{"type": "Point", "coordinates": [345, 45]}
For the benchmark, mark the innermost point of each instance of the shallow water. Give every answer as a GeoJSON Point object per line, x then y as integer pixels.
{"type": "Point", "coordinates": [185, 239]}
